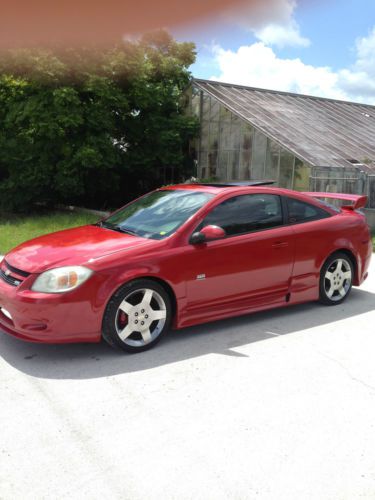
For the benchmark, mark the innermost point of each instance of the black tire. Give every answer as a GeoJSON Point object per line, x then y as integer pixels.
{"type": "Point", "coordinates": [335, 284]}
{"type": "Point", "coordinates": [117, 323]}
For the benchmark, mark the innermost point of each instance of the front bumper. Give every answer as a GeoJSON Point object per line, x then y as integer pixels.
{"type": "Point", "coordinates": [51, 318]}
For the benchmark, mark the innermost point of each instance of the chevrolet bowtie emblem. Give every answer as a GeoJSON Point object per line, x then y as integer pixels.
{"type": "Point", "coordinates": [7, 272]}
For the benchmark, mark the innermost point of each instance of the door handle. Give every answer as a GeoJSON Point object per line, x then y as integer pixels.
{"type": "Point", "coordinates": [280, 244]}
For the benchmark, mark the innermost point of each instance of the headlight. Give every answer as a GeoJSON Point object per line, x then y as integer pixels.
{"type": "Point", "coordinates": [62, 279]}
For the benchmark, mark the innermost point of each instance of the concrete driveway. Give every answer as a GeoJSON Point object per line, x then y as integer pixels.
{"type": "Point", "coordinates": [276, 405]}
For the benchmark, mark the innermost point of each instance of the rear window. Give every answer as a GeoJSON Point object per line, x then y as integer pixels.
{"type": "Point", "coordinates": [300, 211]}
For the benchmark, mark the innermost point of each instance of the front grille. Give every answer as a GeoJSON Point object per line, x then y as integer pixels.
{"type": "Point", "coordinates": [9, 279]}
{"type": "Point", "coordinates": [16, 271]}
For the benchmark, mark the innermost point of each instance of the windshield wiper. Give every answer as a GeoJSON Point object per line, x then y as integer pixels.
{"type": "Point", "coordinates": [125, 230]}
{"type": "Point", "coordinates": [114, 227]}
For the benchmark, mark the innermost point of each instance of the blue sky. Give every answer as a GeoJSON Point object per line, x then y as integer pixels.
{"type": "Point", "coordinates": [319, 47]}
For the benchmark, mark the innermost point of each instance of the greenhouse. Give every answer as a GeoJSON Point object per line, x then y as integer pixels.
{"type": "Point", "coordinates": [301, 142]}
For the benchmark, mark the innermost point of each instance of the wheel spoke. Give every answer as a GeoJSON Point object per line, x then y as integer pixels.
{"type": "Point", "coordinates": [147, 297]}
{"type": "Point", "coordinates": [161, 314]}
{"type": "Point", "coordinates": [339, 266]}
{"type": "Point", "coordinates": [330, 292]}
{"type": "Point", "coordinates": [347, 275]}
{"type": "Point", "coordinates": [146, 335]}
{"type": "Point", "coordinates": [124, 334]}
{"type": "Point", "coordinates": [329, 275]}
{"type": "Point", "coordinates": [342, 291]}
{"type": "Point", "coordinates": [126, 307]}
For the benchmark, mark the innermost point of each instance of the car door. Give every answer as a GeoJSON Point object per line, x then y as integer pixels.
{"type": "Point", "coordinates": [252, 263]}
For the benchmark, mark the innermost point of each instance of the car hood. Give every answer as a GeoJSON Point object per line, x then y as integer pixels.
{"type": "Point", "coordinates": [76, 246]}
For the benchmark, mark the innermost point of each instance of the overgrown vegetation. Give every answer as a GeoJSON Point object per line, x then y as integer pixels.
{"type": "Point", "coordinates": [15, 229]}
{"type": "Point", "coordinates": [93, 127]}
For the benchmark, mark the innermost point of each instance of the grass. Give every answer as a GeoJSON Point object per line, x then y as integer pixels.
{"type": "Point", "coordinates": [373, 242]}
{"type": "Point", "coordinates": [15, 229]}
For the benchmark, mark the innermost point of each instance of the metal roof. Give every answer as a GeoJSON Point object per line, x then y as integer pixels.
{"type": "Point", "coordinates": [321, 131]}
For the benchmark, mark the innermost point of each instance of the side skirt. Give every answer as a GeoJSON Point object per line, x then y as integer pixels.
{"type": "Point", "coordinates": [302, 289]}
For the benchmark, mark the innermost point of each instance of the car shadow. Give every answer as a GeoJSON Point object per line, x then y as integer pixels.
{"type": "Point", "coordinates": [84, 361]}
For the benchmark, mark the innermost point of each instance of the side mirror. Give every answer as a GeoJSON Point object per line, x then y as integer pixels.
{"type": "Point", "coordinates": [208, 233]}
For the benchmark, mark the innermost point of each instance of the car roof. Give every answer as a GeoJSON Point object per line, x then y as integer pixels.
{"type": "Point", "coordinates": [249, 187]}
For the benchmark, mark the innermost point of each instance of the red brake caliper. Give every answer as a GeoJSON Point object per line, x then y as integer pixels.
{"type": "Point", "coordinates": [122, 319]}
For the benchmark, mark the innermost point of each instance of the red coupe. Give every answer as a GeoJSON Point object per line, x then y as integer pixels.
{"type": "Point", "coordinates": [183, 255]}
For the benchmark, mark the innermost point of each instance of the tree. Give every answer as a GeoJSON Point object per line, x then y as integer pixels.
{"type": "Point", "coordinates": [93, 127]}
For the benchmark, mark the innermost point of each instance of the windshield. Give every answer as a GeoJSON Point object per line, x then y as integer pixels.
{"type": "Point", "coordinates": [158, 214]}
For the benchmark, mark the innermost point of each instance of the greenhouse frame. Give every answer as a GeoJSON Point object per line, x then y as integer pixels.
{"type": "Point", "coordinates": [301, 142]}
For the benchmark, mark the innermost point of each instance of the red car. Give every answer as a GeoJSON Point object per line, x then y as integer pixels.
{"type": "Point", "coordinates": [183, 255]}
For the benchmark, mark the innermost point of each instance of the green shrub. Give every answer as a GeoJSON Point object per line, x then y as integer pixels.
{"type": "Point", "coordinates": [92, 128]}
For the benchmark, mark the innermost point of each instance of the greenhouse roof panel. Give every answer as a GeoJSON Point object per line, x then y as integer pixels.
{"type": "Point", "coordinates": [321, 131]}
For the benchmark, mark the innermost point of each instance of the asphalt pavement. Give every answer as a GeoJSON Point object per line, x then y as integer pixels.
{"type": "Point", "coordinates": [274, 405]}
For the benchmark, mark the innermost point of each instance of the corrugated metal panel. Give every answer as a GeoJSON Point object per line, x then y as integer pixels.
{"type": "Point", "coordinates": [318, 130]}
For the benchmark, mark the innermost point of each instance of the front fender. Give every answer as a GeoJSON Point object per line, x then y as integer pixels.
{"type": "Point", "coordinates": [115, 281]}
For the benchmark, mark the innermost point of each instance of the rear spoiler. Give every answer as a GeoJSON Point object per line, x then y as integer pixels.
{"type": "Point", "coordinates": [359, 201]}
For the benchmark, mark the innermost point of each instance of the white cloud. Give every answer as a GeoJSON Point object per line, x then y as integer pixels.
{"type": "Point", "coordinates": [358, 85]}
{"type": "Point", "coordinates": [366, 53]}
{"type": "Point", "coordinates": [258, 65]}
{"type": "Point", "coordinates": [272, 22]}
{"type": "Point", "coordinates": [359, 80]}
{"type": "Point", "coordinates": [282, 36]}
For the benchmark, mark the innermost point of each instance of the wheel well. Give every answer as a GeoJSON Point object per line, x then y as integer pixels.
{"type": "Point", "coordinates": [167, 288]}
{"type": "Point", "coordinates": [351, 257]}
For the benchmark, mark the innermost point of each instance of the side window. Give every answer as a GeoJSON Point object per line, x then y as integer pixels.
{"type": "Point", "coordinates": [245, 213]}
{"type": "Point", "coordinates": [299, 211]}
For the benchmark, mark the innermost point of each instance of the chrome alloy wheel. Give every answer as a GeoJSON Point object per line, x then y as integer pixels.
{"type": "Point", "coordinates": [337, 280]}
{"type": "Point", "coordinates": [140, 318]}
